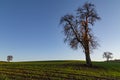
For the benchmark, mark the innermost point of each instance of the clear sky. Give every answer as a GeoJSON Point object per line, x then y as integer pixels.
{"type": "Point", "coordinates": [30, 30]}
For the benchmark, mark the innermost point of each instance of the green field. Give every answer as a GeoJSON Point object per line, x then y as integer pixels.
{"type": "Point", "coordinates": [59, 70]}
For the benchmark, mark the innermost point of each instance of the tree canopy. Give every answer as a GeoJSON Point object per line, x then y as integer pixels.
{"type": "Point", "coordinates": [77, 29]}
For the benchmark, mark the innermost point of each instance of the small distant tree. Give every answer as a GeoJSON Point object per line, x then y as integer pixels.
{"type": "Point", "coordinates": [107, 55]}
{"type": "Point", "coordinates": [9, 58]}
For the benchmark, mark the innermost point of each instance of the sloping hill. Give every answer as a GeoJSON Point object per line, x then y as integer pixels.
{"type": "Point", "coordinates": [60, 70]}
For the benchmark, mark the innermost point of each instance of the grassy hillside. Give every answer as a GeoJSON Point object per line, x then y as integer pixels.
{"type": "Point", "coordinates": [59, 70]}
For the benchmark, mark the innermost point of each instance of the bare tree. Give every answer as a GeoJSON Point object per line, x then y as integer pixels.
{"type": "Point", "coordinates": [9, 58]}
{"type": "Point", "coordinates": [107, 55]}
{"type": "Point", "coordinates": [77, 29]}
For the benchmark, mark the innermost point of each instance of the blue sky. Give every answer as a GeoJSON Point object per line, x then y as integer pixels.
{"type": "Point", "coordinates": [30, 30]}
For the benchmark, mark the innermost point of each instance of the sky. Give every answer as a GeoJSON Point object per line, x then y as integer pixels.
{"type": "Point", "coordinates": [30, 29]}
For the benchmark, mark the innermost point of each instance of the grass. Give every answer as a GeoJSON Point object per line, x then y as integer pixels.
{"type": "Point", "coordinates": [59, 70]}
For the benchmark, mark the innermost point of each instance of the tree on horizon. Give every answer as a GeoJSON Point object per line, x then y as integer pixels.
{"type": "Point", "coordinates": [77, 30]}
{"type": "Point", "coordinates": [9, 58]}
{"type": "Point", "coordinates": [107, 55]}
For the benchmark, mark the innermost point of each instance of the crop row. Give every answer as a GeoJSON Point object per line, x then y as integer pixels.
{"type": "Point", "coordinates": [34, 74]}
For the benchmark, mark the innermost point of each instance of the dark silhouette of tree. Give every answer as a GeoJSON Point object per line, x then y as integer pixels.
{"type": "Point", "coordinates": [9, 58]}
{"type": "Point", "coordinates": [77, 29]}
{"type": "Point", "coordinates": [107, 55]}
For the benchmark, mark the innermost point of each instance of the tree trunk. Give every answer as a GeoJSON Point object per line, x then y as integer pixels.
{"type": "Point", "coordinates": [87, 48]}
{"type": "Point", "coordinates": [88, 60]}
{"type": "Point", "coordinates": [107, 59]}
